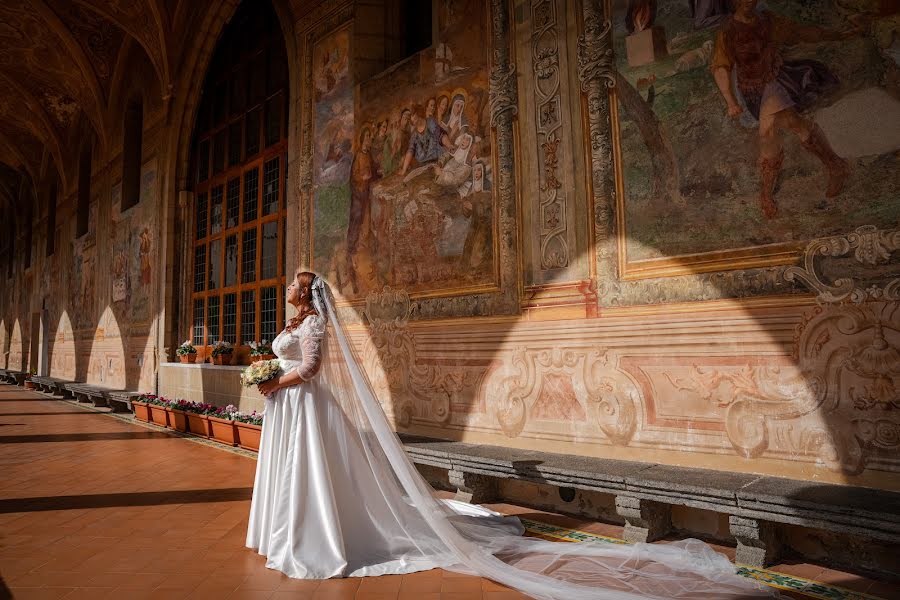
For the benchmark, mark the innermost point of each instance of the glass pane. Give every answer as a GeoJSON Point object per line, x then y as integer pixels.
{"type": "Point", "coordinates": [215, 218]}
{"type": "Point", "coordinates": [277, 72]}
{"type": "Point", "coordinates": [229, 318]}
{"type": "Point", "coordinates": [231, 260]}
{"type": "Point", "coordinates": [201, 216]}
{"type": "Point", "coordinates": [248, 257]}
{"type": "Point", "coordinates": [251, 195]}
{"type": "Point", "coordinates": [268, 313]}
{"type": "Point", "coordinates": [212, 320]}
{"type": "Point", "coordinates": [248, 317]}
{"type": "Point", "coordinates": [251, 140]}
{"type": "Point", "coordinates": [234, 143]}
{"type": "Point", "coordinates": [273, 120]}
{"type": "Point", "coordinates": [270, 186]}
{"type": "Point", "coordinates": [215, 264]}
{"type": "Point", "coordinates": [269, 264]}
{"type": "Point", "coordinates": [203, 160]}
{"type": "Point", "coordinates": [218, 159]}
{"type": "Point", "coordinates": [234, 203]}
{"type": "Point", "coordinates": [199, 268]}
{"type": "Point", "coordinates": [198, 322]}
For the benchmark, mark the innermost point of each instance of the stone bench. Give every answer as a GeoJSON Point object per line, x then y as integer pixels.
{"type": "Point", "coordinates": [6, 376]}
{"type": "Point", "coordinates": [646, 492]}
{"type": "Point", "coordinates": [120, 400]}
{"type": "Point", "coordinates": [96, 394]}
{"type": "Point", "coordinates": [52, 385]}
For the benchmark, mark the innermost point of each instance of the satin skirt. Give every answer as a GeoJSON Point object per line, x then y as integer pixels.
{"type": "Point", "coordinates": [318, 510]}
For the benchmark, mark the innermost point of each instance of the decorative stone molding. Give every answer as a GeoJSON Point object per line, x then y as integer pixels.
{"type": "Point", "coordinates": [871, 248]}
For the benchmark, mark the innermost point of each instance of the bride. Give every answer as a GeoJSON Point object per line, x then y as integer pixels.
{"type": "Point", "coordinates": [336, 496]}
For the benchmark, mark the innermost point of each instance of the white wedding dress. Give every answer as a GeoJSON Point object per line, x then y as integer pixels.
{"type": "Point", "coordinates": [336, 496]}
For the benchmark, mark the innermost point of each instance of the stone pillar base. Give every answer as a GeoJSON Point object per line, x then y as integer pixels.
{"type": "Point", "coordinates": [645, 520]}
{"type": "Point", "coordinates": [472, 487]}
{"type": "Point", "coordinates": [757, 545]}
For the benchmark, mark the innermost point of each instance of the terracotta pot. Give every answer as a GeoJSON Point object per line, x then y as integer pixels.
{"type": "Point", "coordinates": [141, 410]}
{"type": "Point", "coordinates": [259, 357]}
{"type": "Point", "coordinates": [158, 415]}
{"type": "Point", "coordinates": [188, 358]}
{"type": "Point", "coordinates": [222, 359]}
{"type": "Point", "coordinates": [29, 384]}
{"type": "Point", "coordinates": [198, 425]}
{"type": "Point", "coordinates": [248, 435]}
{"type": "Point", "coordinates": [223, 430]}
{"type": "Point", "coordinates": [177, 419]}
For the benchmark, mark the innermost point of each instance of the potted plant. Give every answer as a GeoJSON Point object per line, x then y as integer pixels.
{"type": "Point", "coordinates": [141, 408]}
{"type": "Point", "coordinates": [186, 352]}
{"type": "Point", "coordinates": [261, 351]}
{"type": "Point", "coordinates": [249, 430]}
{"type": "Point", "coordinates": [198, 419]}
{"type": "Point", "coordinates": [222, 424]}
{"type": "Point", "coordinates": [221, 353]}
{"type": "Point", "coordinates": [28, 383]}
{"type": "Point", "coordinates": [157, 406]}
{"type": "Point", "coordinates": [177, 413]}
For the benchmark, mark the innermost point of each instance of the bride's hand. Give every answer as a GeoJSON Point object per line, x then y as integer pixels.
{"type": "Point", "coordinates": [267, 388]}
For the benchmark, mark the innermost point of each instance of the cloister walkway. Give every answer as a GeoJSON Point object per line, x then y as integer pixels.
{"type": "Point", "coordinates": [98, 506]}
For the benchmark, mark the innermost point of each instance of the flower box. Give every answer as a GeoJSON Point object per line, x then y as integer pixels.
{"type": "Point", "coordinates": [177, 419]}
{"type": "Point", "coordinates": [188, 358]}
{"type": "Point", "coordinates": [158, 415]}
{"type": "Point", "coordinates": [253, 359]}
{"type": "Point", "coordinates": [222, 359]}
{"type": "Point", "coordinates": [199, 425]}
{"type": "Point", "coordinates": [248, 435]}
{"type": "Point", "coordinates": [141, 410]}
{"type": "Point", "coordinates": [223, 430]}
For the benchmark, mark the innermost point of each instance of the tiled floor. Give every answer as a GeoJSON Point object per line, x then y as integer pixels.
{"type": "Point", "coordinates": [96, 507]}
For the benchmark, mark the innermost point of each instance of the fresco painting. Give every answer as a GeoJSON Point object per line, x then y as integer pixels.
{"type": "Point", "coordinates": [402, 167]}
{"type": "Point", "coordinates": [750, 123]}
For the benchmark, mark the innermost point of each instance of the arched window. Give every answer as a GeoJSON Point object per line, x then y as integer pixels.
{"type": "Point", "coordinates": [132, 141]}
{"type": "Point", "coordinates": [239, 158]}
{"type": "Point", "coordinates": [83, 211]}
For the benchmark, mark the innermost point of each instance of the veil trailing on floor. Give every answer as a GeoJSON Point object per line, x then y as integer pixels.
{"type": "Point", "coordinates": [492, 546]}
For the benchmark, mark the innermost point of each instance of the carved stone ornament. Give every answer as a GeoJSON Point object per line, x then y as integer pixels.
{"type": "Point", "coordinates": [407, 390]}
{"type": "Point", "coordinates": [582, 388]}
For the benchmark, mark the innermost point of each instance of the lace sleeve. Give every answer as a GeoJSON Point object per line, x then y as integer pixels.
{"type": "Point", "coordinates": [311, 346]}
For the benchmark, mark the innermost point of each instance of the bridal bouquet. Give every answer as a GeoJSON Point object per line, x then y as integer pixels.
{"type": "Point", "coordinates": [260, 371]}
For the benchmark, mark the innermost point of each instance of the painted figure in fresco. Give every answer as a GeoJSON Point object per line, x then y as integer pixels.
{"type": "Point", "coordinates": [360, 206]}
{"type": "Point", "coordinates": [146, 245]}
{"type": "Point", "coordinates": [456, 122]}
{"type": "Point", "coordinates": [707, 13]}
{"type": "Point", "coordinates": [378, 144]}
{"type": "Point", "coordinates": [775, 91]}
{"type": "Point", "coordinates": [442, 114]}
{"type": "Point", "coordinates": [639, 15]}
{"type": "Point", "coordinates": [456, 171]}
{"type": "Point", "coordinates": [424, 146]}
{"type": "Point", "coordinates": [401, 141]}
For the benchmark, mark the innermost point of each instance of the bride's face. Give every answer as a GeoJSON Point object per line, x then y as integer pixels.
{"type": "Point", "coordinates": [294, 290]}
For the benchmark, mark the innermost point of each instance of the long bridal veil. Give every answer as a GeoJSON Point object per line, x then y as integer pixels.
{"type": "Point", "coordinates": [489, 546]}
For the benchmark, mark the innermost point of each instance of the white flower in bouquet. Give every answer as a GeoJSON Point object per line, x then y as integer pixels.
{"type": "Point", "coordinates": [260, 371]}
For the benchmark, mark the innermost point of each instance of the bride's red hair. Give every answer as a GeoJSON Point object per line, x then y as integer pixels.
{"type": "Point", "coordinates": [304, 280]}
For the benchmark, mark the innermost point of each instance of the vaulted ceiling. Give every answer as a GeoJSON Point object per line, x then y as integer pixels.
{"type": "Point", "coordinates": [57, 62]}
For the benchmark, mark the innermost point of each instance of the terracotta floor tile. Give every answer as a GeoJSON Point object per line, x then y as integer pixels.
{"type": "Point", "coordinates": [103, 508]}
{"type": "Point", "coordinates": [460, 584]}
